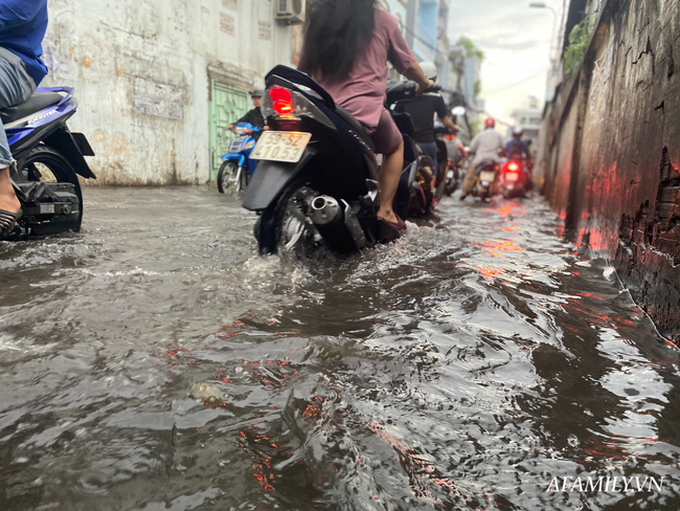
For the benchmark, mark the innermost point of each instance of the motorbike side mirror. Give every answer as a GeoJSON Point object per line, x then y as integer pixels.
{"type": "Point", "coordinates": [458, 110]}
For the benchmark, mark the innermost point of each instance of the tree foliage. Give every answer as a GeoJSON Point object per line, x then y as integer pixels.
{"type": "Point", "coordinates": [471, 49]}
{"type": "Point", "coordinates": [578, 43]}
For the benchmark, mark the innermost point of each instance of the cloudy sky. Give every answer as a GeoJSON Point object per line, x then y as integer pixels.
{"type": "Point", "coordinates": [516, 43]}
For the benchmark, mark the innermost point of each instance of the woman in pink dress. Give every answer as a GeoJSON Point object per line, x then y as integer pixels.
{"type": "Point", "coordinates": [346, 48]}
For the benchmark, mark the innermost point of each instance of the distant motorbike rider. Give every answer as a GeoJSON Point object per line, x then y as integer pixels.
{"type": "Point", "coordinates": [254, 117]}
{"type": "Point", "coordinates": [519, 149]}
{"type": "Point", "coordinates": [516, 147]}
{"type": "Point", "coordinates": [486, 145]}
{"type": "Point", "coordinates": [455, 150]}
{"type": "Point", "coordinates": [422, 111]}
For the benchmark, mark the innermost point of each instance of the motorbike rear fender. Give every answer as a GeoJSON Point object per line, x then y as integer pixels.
{"type": "Point", "coordinates": [271, 178]}
{"type": "Point", "coordinates": [237, 157]}
{"type": "Point", "coordinates": [73, 146]}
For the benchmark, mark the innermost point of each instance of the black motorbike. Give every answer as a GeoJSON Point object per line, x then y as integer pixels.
{"type": "Point", "coordinates": [316, 183]}
{"type": "Point", "coordinates": [49, 159]}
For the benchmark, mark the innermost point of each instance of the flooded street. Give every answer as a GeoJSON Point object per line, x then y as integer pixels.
{"type": "Point", "coordinates": [155, 362]}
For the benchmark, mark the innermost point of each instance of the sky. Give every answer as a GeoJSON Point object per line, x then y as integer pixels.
{"type": "Point", "coordinates": [516, 42]}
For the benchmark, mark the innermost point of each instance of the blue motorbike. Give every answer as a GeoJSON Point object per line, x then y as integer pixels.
{"type": "Point", "coordinates": [238, 168]}
{"type": "Point", "coordinates": [49, 159]}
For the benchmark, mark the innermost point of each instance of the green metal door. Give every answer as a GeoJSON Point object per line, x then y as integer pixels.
{"type": "Point", "coordinates": [227, 105]}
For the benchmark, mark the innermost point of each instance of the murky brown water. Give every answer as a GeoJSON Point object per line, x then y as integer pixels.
{"type": "Point", "coordinates": [154, 362]}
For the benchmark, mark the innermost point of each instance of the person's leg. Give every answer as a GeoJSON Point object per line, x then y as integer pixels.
{"type": "Point", "coordinates": [469, 181]}
{"type": "Point", "coordinates": [390, 173]}
{"type": "Point", "coordinates": [15, 87]}
{"type": "Point", "coordinates": [389, 142]}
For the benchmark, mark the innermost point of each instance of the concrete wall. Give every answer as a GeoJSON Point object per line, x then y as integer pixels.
{"type": "Point", "coordinates": [617, 138]}
{"type": "Point", "coordinates": [142, 71]}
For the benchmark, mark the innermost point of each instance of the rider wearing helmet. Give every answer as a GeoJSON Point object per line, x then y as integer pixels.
{"type": "Point", "coordinates": [516, 147]}
{"type": "Point", "coordinates": [486, 145]}
{"type": "Point", "coordinates": [422, 110]}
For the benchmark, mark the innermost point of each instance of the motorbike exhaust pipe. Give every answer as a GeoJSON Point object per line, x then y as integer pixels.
{"type": "Point", "coordinates": [337, 223]}
{"type": "Point", "coordinates": [324, 210]}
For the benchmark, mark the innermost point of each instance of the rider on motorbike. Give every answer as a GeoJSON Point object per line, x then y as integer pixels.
{"type": "Point", "coordinates": [22, 28]}
{"type": "Point", "coordinates": [346, 48]}
{"type": "Point", "coordinates": [422, 111]}
{"type": "Point", "coordinates": [517, 148]}
{"type": "Point", "coordinates": [254, 116]}
{"type": "Point", "coordinates": [486, 145]}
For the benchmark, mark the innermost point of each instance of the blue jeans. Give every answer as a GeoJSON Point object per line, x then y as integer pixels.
{"type": "Point", "coordinates": [430, 149]}
{"type": "Point", "coordinates": [16, 85]}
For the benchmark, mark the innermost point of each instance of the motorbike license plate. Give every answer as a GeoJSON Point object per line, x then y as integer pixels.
{"type": "Point", "coordinates": [512, 176]}
{"type": "Point", "coordinates": [487, 175]}
{"type": "Point", "coordinates": [286, 146]}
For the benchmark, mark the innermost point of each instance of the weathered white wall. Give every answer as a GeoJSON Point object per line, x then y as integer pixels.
{"type": "Point", "coordinates": [142, 72]}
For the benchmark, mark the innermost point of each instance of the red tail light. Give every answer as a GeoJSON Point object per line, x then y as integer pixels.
{"type": "Point", "coordinates": [282, 100]}
{"type": "Point", "coordinates": [512, 167]}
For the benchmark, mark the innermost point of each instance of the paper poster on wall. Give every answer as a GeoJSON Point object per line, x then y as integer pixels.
{"type": "Point", "coordinates": [230, 4]}
{"type": "Point", "coordinates": [227, 24]}
{"type": "Point", "coordinates": [159, 99]}
{"type": "Point", "coordinates": [264, 30]}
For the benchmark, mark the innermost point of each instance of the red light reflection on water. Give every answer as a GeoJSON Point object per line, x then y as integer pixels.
{"type": "Point", "coordinates": [229, 330]}
{"type": "Point", "coordinates": [420, 470]}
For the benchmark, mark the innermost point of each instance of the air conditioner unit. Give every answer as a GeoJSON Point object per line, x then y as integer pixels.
{"type": "Point", "coordinates": [290, 11]}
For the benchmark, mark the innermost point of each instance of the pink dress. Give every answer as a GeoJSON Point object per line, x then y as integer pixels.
{"type": "Point", "coordinates": [362, 92]}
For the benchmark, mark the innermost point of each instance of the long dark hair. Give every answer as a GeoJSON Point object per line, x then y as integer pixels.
{"type": "Point", "coordinates": [335, 32]}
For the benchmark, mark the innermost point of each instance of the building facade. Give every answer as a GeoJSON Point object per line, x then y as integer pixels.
{"type": "Point", "coordinates": [157, 81]}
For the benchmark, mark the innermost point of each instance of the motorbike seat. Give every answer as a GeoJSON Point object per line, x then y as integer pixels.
{"type": "Point", "coordinates": [487, 163]}
{"type": "Point", "coordinates": [36, 102]}
{"type": "Point", "coordinates": [355, 125]}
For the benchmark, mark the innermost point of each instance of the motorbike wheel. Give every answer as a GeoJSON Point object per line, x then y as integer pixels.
{"type": "Point", "coordinates": [284, 224]}
{"type": "Point", "coordinates": [230, 178]}
{"type": "Point", "coordinates": [48, 165]}
{"type": "Point", "coordinates": [451, 183]}
{"type": "Point", "coordinates": [421, 191]}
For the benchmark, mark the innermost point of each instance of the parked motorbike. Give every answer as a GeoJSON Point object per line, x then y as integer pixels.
{"type": "Point", "coordinates": [513, 179]}
{"type": "Point", "coordinates": [487, 174]}
{"type": "Point", "coordinates": [238, 168]}
{"type": "Point", "coordinates": [49, 160]}
{"type": "Point", "coordinates": [316, 183]}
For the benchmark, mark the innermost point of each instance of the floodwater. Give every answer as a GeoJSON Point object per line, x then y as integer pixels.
{"type": "Point", "coordinates": [155, 362]}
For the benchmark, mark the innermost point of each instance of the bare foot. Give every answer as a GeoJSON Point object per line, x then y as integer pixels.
{"type": "Point", "coordinates": [388, 215]}
{"type": "Point", "coordinates": [8, 200]}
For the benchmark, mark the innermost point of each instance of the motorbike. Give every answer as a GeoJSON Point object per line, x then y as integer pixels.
{"type": "Point", "coordinates": [422, 189]}
{"type": "Point", "coordinates": [49, 159]}
{"type": "Point", "coordinates": [450, 155]}
{"type": "Point", "coordinates": [238, 168]}
{"type": "Point", "coordinates": [513, 178]}
{"type": "Point", "coordinates": [316, 184]}
{"type": "Point", "coordinates": [487, 174]}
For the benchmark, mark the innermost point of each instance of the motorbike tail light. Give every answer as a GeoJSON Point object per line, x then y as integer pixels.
{"type": "Point", "coordinates": [512, 167]}
{"type": "Point", "coordinates": [282, 100]}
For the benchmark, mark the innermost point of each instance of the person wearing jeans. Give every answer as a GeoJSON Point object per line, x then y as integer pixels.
{"type": "Point", "coordinates": [22, 28]}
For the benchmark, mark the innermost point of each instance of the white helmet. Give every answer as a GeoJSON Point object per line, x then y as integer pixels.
{"type": "Point", "coordinates": [430, 70]}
